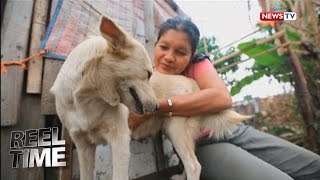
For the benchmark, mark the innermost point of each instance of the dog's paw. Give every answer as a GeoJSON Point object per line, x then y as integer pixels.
{"type": "Point", "coordinates": [178, 177]}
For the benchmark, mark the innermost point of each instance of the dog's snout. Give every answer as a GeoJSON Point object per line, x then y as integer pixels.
{"type": "Point", "coordinates": [151, 107]}
{"type": "Point", "coordinates": [143, 97]}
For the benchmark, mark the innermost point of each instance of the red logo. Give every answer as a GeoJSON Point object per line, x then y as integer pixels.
{"type": "Point", "coordinates": [278, 16]}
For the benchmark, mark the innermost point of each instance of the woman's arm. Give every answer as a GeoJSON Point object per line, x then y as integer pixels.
{"type": "Point", "coordinates": [213, 97]}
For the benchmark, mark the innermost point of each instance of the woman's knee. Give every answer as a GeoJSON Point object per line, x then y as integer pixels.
{"type": "Point", "coordinates": [227, 161]}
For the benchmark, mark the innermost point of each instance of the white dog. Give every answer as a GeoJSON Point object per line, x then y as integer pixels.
{"type": "Point", "coordinates": [98, 77]}
{"type": "Point", "coordinates": [102, 76]}
{"type": "Point", "coordinates": [183, 131]}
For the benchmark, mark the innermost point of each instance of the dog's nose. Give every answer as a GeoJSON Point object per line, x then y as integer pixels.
{"type": "Point", "coordinates": [151, 107]}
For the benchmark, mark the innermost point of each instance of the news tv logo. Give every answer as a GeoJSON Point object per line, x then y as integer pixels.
{"type": "Point", "coordinates": [278, 16]}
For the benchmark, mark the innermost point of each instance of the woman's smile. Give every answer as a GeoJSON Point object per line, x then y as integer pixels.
{"type": "Point", "coordinates": [167, 67]}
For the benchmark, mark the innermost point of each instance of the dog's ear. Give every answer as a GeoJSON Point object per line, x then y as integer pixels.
{"type": "Point", "coordinates": [113, 33]}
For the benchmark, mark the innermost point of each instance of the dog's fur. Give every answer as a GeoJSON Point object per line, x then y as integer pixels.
{"type": "Point", "coordinates": [102, 76]}
{"type": "Point", "coordinates": [98, 81]}
{"type": "Point", "coordinates": [183, 131]}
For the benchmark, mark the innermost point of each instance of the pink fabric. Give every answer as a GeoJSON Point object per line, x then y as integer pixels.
{"type": "Point", "coordinates": [195, 70]}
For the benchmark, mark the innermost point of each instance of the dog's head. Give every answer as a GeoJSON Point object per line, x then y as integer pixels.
{"type": "Point", "coordinates": [121, 74]}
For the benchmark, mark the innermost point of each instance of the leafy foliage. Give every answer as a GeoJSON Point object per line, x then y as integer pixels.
{"type": "Point", "coordinates": [245, 81]}
{"type": "Point", "coordinates": [269, 64]}
{"type": "Point", "coordinates": [216, 54]}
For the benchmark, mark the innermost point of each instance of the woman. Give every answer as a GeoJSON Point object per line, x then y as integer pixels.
{"type": "Point", "coordinates": [245, 154]}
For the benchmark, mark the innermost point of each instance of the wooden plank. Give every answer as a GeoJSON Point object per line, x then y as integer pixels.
{"type": "Point", "coordinates": [3, 5]}
{"type": "Point", "coordinates": [14, 36]}
{"type": "Point", "coordinates": [159, 153]}
{"type": "Point", "coordinates": [39, 19]}
{"type": "Point", "coordinates": [29, 118]}
{"type": "Point", "coordinates": [66, 172]}
{"type": "Point", "coordinates": [14, 41]}
{"type": "Point", "coordinates": [164, 174]}
{"type": "Point", "coordinates": [149, 27]}
{"type": "Point", "coordinates": [142, 160]}
{"type": "Point", "coordinates": [51, 70]}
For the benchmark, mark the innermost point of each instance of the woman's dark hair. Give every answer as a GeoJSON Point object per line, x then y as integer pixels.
{"type": "Point", "coordinates": [184, 24]}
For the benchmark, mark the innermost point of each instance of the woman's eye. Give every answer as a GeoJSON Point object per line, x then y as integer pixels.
{"type": "Point", "coordinates": [181, 53]}
{"type": "Point", "coordinates": [163, 47]}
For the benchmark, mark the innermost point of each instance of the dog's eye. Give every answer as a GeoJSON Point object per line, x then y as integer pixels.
{"type": "Point", "coordinates": [149, 74]}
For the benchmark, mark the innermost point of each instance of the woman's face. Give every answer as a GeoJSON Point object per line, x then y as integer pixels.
{"type": "Point", "coordinates": [172, 53]}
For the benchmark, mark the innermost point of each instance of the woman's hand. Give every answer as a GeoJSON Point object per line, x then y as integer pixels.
{"type": "Point", "coordinates": [134, 120]}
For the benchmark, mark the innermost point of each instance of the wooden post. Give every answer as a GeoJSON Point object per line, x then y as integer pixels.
{"type": "Point", "coordinates": [303, 96]}
{"type": "Point", "coordinates": [66, 172]}
{"type": "Point", "coordinates": [149, 28]}
{"type": "Point", "coordinates": [40, 12]}
{"type": "Point", "coordinates": [50, 71]}
{"type": "Point", "coordinates": [14, 42]}
{"type": "Point", "coordinates": [313, 20]}
{"type": "Point", "coordinates": [29, 118]}
{"type": "Point", "coordinates": [159, 154]}
{"type": "Point", "coordinates": [3, 5]}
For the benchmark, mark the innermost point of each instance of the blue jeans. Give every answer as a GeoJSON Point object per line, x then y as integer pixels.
{"type": "Point", "coordinates": [249, 154]}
